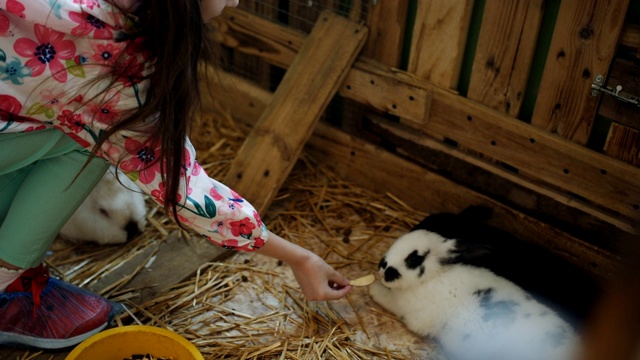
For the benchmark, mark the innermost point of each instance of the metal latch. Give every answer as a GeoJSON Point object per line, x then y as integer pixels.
{"type": "Point", "coordinates": [598, 86]}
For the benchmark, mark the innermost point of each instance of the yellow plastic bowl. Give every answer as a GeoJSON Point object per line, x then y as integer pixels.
{"type": "Point", "coordinates": [122, 342]}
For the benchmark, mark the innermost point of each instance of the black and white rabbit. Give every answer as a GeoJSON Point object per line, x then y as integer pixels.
{"type": "Point", "coordinates": [473, 313]}
{"type": "Point", "coordinates": [113, 213]}
{"type": "Point", "coordinates": [550, 279]}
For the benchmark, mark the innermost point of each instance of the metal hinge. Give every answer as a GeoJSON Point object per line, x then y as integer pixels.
{"type": "Point", "coordinates": [598, 86]}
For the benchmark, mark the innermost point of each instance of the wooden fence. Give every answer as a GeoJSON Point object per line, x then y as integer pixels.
{"type": "Point", "coordinates": [483, 101]}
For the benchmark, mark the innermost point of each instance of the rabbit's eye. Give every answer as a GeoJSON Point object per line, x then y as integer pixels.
{"type": "Point", "coordinates": [414, 260]}
{"type": "Point", "coordinates": [104, 212]}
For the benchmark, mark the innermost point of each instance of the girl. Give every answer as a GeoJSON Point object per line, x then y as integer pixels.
{"type": "Point", "coordinates": [89, 83]}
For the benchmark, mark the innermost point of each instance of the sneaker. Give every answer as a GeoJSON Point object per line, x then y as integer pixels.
{"type": "Point", "coordinates": [46, 313]}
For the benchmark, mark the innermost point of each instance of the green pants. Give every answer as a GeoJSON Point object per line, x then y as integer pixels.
{"type": "Point", "coordinates": [38, 193]}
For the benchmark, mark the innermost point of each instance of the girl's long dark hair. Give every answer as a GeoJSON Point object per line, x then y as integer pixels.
{"type": "Point", "coordinates": [174, 34]}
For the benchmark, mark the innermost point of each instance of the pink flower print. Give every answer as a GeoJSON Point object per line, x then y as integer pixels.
{"type": "Point", "coordinates": [230, 244]}
{"type": "Point", "coordinates": [72, 121]}
{"type": "Point", "coordinates": [242, 227]}
{"type": "Point", "coordinates": [256, 216]}
{"type": "Point", "coordinates": [187, 159]}
{"type": "Point", "coordinates": [130, 72]}
{"type": "Point", "coordinates": [105, 53]}
{"type": "Point", "coordinates": [106, 111]}
{"type": "Point", "coordinates": [87, 24]}
{"type": "Point", "coordinates": [10, 108]}
{"type": "Point", "coordinates": [229, 210]}
{"type": "Point", "coordinates": [52, 98]}
{"type": "Point", "coordinates": [15, 7]}
{"type": "Point", "coordinates": [35, 128]}
{"type": "Point", "coordinates": [197, 169]}
{"type": "Point", "coordinates": [84, 143]}
{"type": "Point", "coordinates": [221, 226]}
{"type": "Point", "coordinates": [183, 220]}
{"type": "Point", "coordinates": [4, 24]}
{"type": "Point", "coordinates": [88, 3]}
{"type": "Point", "coordinates": [49, 49]}
{"type": "Point", "coordinates": [158, 194]}
{"type": "Point", "coordinates": [143, 159]}
{"type": "Point", "coordinates": [258, 243]}
{"type": "Point", "coordinates": [215, 194]}
{"type": "Point", "coordinates": [111, 152]}
{"type": "Point", "coordinates": [10, 105]}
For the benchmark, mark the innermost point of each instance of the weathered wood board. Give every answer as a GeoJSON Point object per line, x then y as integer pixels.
{"type": "Point", "coordinates": [438, 41]}
{"type": "Point", "coordinates": [583, 45]}
{"type": "Point", "coordinates": [274, 144]}
{"type": "Point", "coordinates": [387, 26]}
{"type": "Point", "coordinates": [623, 143]}
{"type": "Point", "coordinates": [504, 54]}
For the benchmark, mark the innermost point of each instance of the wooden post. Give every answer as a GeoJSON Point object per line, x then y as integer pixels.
{"type": "Point", "coordinates": [274, 144]}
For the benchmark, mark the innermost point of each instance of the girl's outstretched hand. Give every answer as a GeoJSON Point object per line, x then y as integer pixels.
{"type": "Point", "coordinates": [317, 279]}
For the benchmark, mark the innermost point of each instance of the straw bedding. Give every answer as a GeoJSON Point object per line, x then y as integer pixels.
{"type": "Point", "coordinates": [249, 306]}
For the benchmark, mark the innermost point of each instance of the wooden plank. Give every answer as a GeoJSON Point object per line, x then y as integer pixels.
{"type": "Point", "coordinates": [273, 146]}
{"type": "Point", "coordinates": [164, 266]}
{"type": "Point", "coordinates": [388, 94]}
{"type": "Point", "coordinates": [568, 213]}
{"type": "Point", "coordinates": [363, 163]}
{"type": "Point", "coordinates": [504, 54]}
{"type": "Point", "coordinates": [538, 154]}
{"type": "Point", "coordinates": [626, 74]}
{"type": "Point", "coordinates": [274, 44]}
{"type": "Point", "coordinates": [170, 268]}
{"type": "Point", "coordinates": [438, 41]}
{"type": "Point", "coordinates": [534, 152]}
{"type": "Point", "coordinates": [576, 217]}
{"type": "Point", "coordinates": [583, 44]}
{"type": "Point", "coordinates": [387, 22]}
{"type": "Point", "coordinates": [623, 143]}
{"type": "Point", "coordinates": [397, 84]}
{"type": "Point", "coordinates": [630, 35]}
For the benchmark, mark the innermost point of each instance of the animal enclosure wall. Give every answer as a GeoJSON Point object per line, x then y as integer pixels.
{"type": "Point", "coordinates": [510, 104]}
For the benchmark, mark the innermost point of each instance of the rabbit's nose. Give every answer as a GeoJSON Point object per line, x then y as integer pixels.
{"type": "Point", "coordinates": [132, 230]}
{"type": "Point", "coordinates": [391, 274]}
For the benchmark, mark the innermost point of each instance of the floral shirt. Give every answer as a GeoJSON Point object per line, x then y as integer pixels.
{"type": "Point", "coordinates": [54, 55]}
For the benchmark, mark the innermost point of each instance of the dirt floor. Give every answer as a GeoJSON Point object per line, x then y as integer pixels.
{"type": "Point", "coordinates": [248, 306]}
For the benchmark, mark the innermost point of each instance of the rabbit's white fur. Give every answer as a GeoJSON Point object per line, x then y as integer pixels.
{"type": "Point", "coordinates": [113, 212]}
{"type": "Point", "coordinates": [471, 312]}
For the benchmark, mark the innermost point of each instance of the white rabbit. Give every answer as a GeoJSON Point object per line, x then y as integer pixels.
{"type": "Point", "coordinates": [472, 313]}
{"type": "Point", "coordinates": [114, 212]}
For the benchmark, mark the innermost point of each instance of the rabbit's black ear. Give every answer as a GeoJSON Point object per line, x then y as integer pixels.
{"type": "Point", "coordinates": [445, 224]}
{"type": "Point", "coordinates": [475, 214]}
{"type": "Point", "coordinates": [454, 226]}
{"type": "Point", "coordinates": [469, 252]}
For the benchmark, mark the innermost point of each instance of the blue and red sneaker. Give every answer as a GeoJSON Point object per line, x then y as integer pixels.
{"type": "Point", "coordinates": [46, 313]}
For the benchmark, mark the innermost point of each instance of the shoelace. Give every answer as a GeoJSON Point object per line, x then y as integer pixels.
{"type": "Point", "coordinates": [33, 280]}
